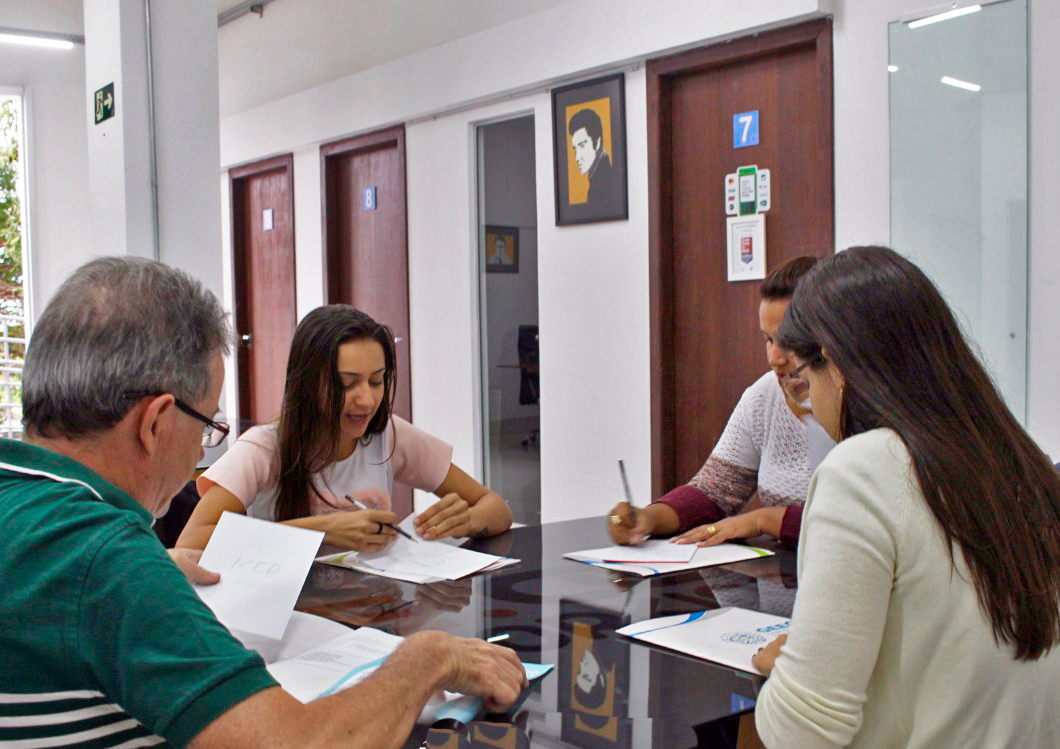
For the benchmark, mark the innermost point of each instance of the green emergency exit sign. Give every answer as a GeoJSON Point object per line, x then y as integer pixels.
{"type": "Point", "coordinates": [105, 103]}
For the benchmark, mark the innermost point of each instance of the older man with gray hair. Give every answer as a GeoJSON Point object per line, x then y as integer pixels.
{"type": "Point", "coordinates": [105, 643]}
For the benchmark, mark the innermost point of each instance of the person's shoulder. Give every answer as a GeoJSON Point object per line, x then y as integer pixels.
{"type": "Point", "coordinates": [877, 452]}
{"type": "Point", "coordinates": [765, 392]}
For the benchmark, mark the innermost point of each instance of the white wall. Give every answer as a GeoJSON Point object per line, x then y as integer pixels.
{"type": "Point", "coordinates": [593, 285]}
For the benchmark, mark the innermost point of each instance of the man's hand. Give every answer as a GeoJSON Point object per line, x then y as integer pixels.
{"type": "Point", "coordinates": [474, 667]}
{"type": "Point", "coordinates": [188, 562]}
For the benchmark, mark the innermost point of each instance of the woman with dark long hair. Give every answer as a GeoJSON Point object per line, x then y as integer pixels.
{"type": "Point", "coordinates": [330, 461]}
{"type": "Point", "coordinates": [928, 608]}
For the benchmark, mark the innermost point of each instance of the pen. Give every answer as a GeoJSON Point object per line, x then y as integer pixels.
{"type": "Point", "coordinates": [629, 494]}
{"type": "Point", "coordinates": [361, 506]}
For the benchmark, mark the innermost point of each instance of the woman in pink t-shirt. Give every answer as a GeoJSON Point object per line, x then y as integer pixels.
{"type": "Point", "coordinates": [337, 448]}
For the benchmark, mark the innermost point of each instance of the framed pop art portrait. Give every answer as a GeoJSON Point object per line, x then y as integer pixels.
{"type": "Point", "coordinates": [589, 151]}
{"type": "Point", "coordinates": [502, 249]}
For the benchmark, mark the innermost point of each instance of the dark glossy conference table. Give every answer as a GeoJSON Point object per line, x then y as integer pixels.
{"type": "Point", "coordinates": [557, 611]}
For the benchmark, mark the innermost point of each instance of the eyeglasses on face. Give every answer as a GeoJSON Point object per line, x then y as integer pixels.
{"type": "Point", "coordinates": [795, 372]}
{"type": "Point", "coordinates": [213, 432]}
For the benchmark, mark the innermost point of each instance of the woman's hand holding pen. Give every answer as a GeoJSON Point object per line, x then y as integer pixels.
{"type": "Point", "coordinates": [361, 530]}
{"type": "Point", "coordinates": [629, 526]}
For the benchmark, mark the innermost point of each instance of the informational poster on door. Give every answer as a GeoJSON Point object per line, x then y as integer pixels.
{"type": "Point", "coordinates": [746, 247]}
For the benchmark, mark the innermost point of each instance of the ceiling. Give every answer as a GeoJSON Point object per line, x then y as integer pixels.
{"type": "Point", "coordinates": [299, 44]}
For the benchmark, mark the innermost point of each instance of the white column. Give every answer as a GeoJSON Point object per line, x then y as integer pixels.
{"type": "Point", "coordinates": [185, 142]}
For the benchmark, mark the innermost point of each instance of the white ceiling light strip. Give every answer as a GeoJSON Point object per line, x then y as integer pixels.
{"type": "Point", "coordinates": [955, 13]}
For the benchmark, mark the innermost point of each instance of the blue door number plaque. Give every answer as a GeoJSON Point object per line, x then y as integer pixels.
{"type": "Point", "coordinates": [368, 198]}
{"type": "Point", "coordinates": [745, 129]}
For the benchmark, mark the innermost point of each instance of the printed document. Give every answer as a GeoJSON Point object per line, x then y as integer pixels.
{"type": "Point", "coordinates": [653, 558]}
{"type": "Point", "coordinates": [729, 636]}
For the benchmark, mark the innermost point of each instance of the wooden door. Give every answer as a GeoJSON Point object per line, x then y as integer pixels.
{"type": "Point", "coordinates": [706, 345]}
{"type": "Point", "coordinates": [263, 269]}
{"type": "Point", "coordinates": [366, 245]}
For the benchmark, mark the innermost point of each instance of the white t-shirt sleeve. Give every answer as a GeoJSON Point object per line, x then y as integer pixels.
{"type": "Point", "coordinates": [420, 460]}
{"type": "Point", "coordinates": [847, 557]}
{"type": "Point", "coordinates": [248, 468]}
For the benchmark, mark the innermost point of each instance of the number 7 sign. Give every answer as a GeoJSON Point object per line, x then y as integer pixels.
{"type": "Point", "coordinates": [745, 129]}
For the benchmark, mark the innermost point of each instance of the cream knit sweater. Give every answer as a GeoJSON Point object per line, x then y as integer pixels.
{"type": "Point", "coordinates": [888, 645]}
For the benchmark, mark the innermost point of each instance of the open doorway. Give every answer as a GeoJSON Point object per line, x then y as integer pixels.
{"type": "Point", "coordinates": [511, 386]}
{"type": "Point", "coordinates": [12, 276]}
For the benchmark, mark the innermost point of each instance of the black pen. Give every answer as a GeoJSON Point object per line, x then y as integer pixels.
{"type": "Point", "coordinates": [629, 494]}
{"type": "Point", "coordinates": [362, 506]}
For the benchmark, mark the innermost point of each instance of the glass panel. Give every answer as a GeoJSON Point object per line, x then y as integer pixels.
{"type": "Point", "coordinates": [959, 174]}
{"type": "Point", "coordinates": [508, 312]}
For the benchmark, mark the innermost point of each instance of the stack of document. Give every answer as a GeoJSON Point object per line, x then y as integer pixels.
{"type": "Point", "coordinates": [419, 561]}
{"type": "Point", "coordinates": [729, 636]}
{"type": "Point", "coordinates": [657, 556]}
{"type": "Point", "coordinates": [317, 658]}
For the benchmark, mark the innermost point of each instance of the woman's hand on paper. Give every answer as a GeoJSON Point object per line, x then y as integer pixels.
{"type": "Point", "coordinates": [627, 526]}
{"type": "Point", "coordinates": [449, 517]}
{"type": "Point", "coordinates": [188, 562]}
{"type": "Point", "coordinates": [765, 520]}
{"type": "Point", "coordinates": [361, 530]}
{"type": "Point", "coordinates": [764, 659]}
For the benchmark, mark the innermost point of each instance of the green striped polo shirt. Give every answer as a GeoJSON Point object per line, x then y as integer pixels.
{"type": "Point", "coordinates": [103, 643]}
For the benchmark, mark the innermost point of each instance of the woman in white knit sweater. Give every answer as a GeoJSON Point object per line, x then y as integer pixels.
{"type": "Point", "coordinates": [928, 608]}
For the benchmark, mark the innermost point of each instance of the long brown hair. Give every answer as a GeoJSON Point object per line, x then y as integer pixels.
{"type": "Point", "coordinates": [906, 366]}
{"type": "Point", "coordinates": [313, 396]}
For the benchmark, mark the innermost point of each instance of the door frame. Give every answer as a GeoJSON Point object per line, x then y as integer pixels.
{"type": "Point", "coordinates": [661, 74]}
{"type": "Point", "coordinates": [237, 177]}
{"type": "Point", "coordinates": [386, 138]}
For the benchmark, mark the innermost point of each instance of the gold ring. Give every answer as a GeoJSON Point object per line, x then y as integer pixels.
{"type": "Point", "coordinates": [712, 529]}
{"type": "Point", "coordinates": [616, 520]}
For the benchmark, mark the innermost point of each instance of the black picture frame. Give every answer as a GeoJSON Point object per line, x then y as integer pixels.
{"type": "Point", "coordinates": [501, 258]}
{"type": "Point", "coordinates": [597, 190]}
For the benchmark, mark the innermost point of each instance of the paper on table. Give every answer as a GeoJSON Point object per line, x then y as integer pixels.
{"type": "Point", "coordinates": [653, 550]}
{"type": "Point", "coordinates": [705, 556]}
{"type": "Point", "coordinates": [304, 632]}
{"type": "Point", "coordinates": [263, 566]}
{"type": "Point", "coordinates": [418, 561]}
{"type": "Point", "coordinates": [350, 658]}
{"type": "Point", "coordinates": [729, 636]}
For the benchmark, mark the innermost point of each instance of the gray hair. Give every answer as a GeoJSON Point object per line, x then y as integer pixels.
{"type": "Point", "coordinates": [119, 324]}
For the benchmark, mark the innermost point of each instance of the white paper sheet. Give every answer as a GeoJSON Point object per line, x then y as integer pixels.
{"type": "Point", "coordinates": [304, 632]}
{"type": "Point", "coordinates": [418, 561]}
{"type": "Point", "coordinates": [706, 556]}
{"type": "Point", "coordinates": [730, 636]}
{"type": "Point", "coordinates": [263, 566]}
{"type": "Point", "coordinates": [652, 550]}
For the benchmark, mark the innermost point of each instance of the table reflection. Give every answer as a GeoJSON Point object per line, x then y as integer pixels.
{"type": "Point", "coordinates": [606, 692]}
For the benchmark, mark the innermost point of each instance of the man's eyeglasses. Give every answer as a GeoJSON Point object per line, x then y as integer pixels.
{"type": "Point", "coordinates": [213, 432]}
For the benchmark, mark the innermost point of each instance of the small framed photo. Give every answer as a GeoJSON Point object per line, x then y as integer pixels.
{"type": "Point", "coordinates": [589, 151]}
{"type": "Point", "coordinates": [746, 247]}
{"type": "Point", "coordinates": [502, 249]}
